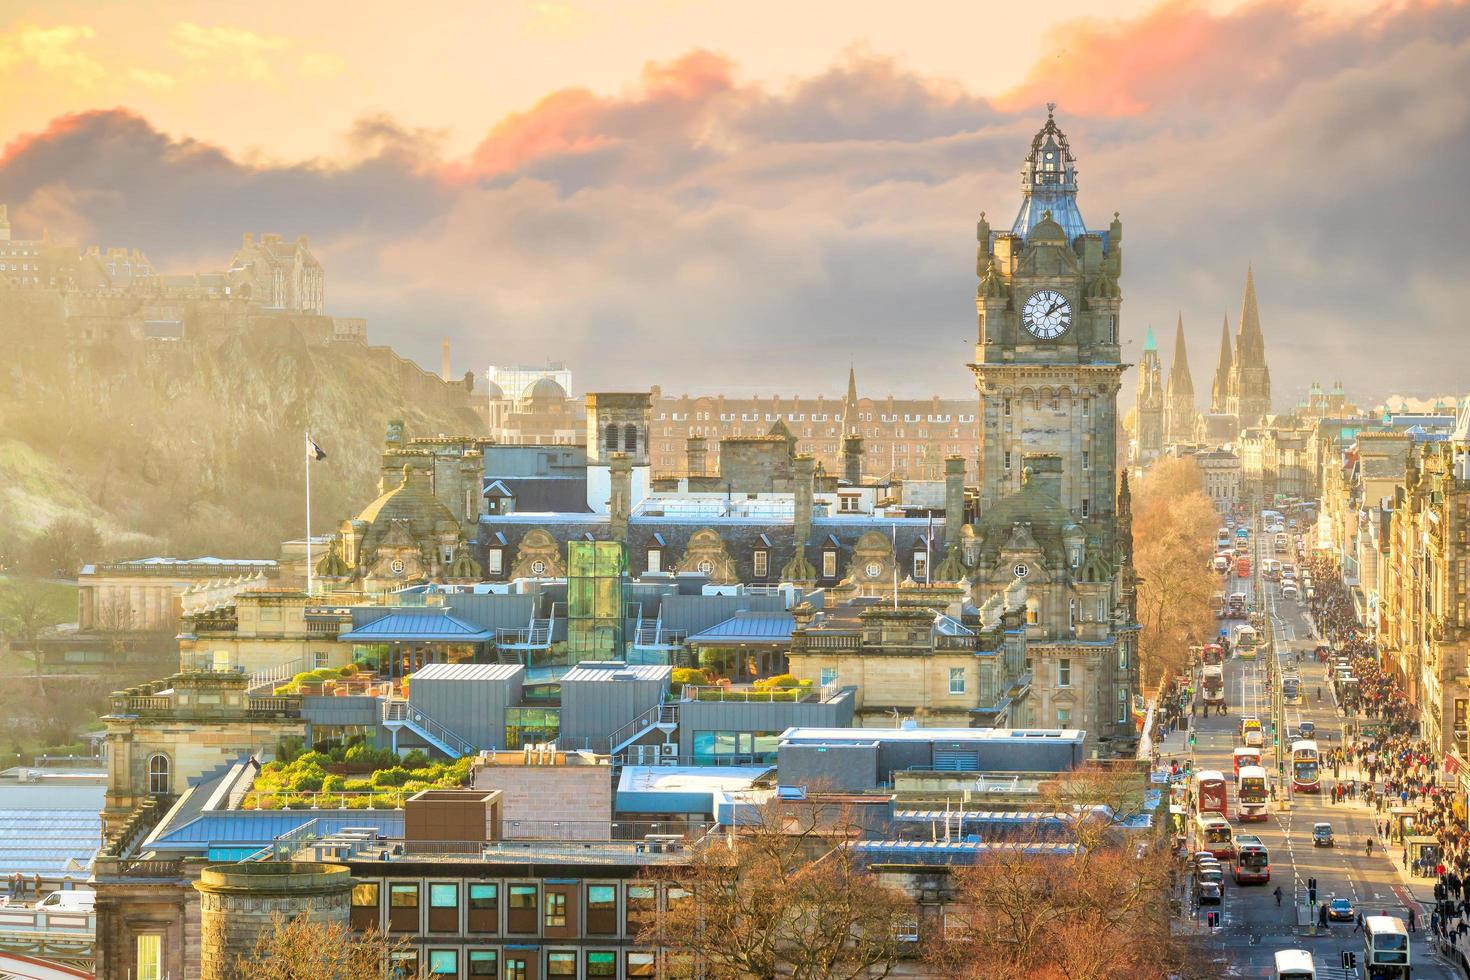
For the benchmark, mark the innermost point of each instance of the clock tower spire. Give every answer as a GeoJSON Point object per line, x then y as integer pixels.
{"type": "Point", "coordinates": [1047, 371]}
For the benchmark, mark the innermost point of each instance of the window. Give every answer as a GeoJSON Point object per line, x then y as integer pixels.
{"type": "Point", "coordinates": [829, 676]}
{"type": "Point", "coordinates": [319, 658]}
{"type": "Point", "coordinates": [497, 561]}
{"type": "Point", "coordinates": [556, 910]}
{"type": "Point", "coordinates": [1064, 673]}
{"type": "Point", "coordinates": [403, 907]}
{"type": "Point", "coordinates": [484, 963]}
{"type": "Point", "coordinates": [484, 913]}
{"type": "Point", "coordinates": [956, 680]}
{"type": "Point", "coordinates": [611, 438]}
{"type": "Point", "coordinates": [1064, 717]}
{"type": "Point", "coordinates": [1084, 506]}
{"type": "Point", "coordinates": [1122, 704]}
{"type": "Point", "coordinates": [829, 564]}
{"type": "Point", "coordinates": [364, 913]}
{"type": "Point", "coordinates": [443, 907]}
{"type": "Point", "coordinates": [921, 566]}
{"type": "Point", "coordinates": [518, 967]}
{"type": "Point", "coordinates": [1033, 611]}
{"type": "Point", "coordinates": [1086, 460]}
{"type": "Point", "coordinates": [630, 438]}
{"type": "Point", "coordinates": [642, 903]}
{"type": "Point", "coordinates": [561, 963]}
{"type": "Point", "coordinates": [149, 958]}
{"type": "Point", "coordinates": [848, 503]}
{"type": "Point", "coordinates": [1086, 407]}
{"type": "Point", "coordinates": [602, 964]}
{"type": "Point", "coordinates": [655, 560]}
{"type": "Point", "coordinates": [762, 563]}
{"type": "Point", "coordinates": [522, 913]}
{"type": "Point", "coordinates": [640, 965]}
{"type": "Point", "coordinates": [443, 962]}
{"type": "Point", "coordinates": [1006, 405]}
{"type": "Point", "coordinates": [602, 910]}
{"type": "Point", "coordinates": [1008, 459]}
{"type": "Point", "coordinates": [158, 774]}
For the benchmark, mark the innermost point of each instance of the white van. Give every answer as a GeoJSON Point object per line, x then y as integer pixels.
{"type": "Point", "coordinates": [70, 900]}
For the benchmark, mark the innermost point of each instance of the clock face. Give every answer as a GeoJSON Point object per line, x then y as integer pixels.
{"type": "Point", "coordinates": [1047, 314]}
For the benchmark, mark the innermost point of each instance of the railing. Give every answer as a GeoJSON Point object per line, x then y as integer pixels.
{"type": "Point", "coordinates": [16, 922]}
{"type": "Point", "coordinates": [139, 868]}
{"type": "Point", "coordinates": [624, 735]}
{"type": "Point", "coordinates": [829, 640]}
{"type": "Point", "coordinates": [699, 692]}
{"type": "Point", "coordinates": [272, 676]}
{"type": "Point", "coordinates": [390, 798]}
{"type": "Point", "coordinates": [149, 703]}
{"type": "Point", "coordinates": [144, 818]}
{"type": "Point", "coordinates": [399, 712]}
{"type": "Point", "coordinates": [280, 704]}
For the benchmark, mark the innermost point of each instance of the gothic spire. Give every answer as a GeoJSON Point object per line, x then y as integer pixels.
{"type": "Point", "coordinates": [1220, 390]}
{"type": "Point", "coordinates": [1180, 382]}
{"type": "Point", "coordinates": [850, 402]}
{"type": "Point", "coordinates": [1250, 315]}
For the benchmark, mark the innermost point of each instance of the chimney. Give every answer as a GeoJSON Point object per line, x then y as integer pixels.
{"type": "Point", "coordinates": [248, 240]}
{"type": "Point", "coordinates": [694, 447]}
{"type": "Point", "coordinates": [619, 504]}
{"type": "Point", "coordinates": [805, 466]}
{"type": "Point", "coordinates": [444, 361]}
{"type": "Point", "coordinates": [954, 499]}
{"type": "Point", "coordinates": [852, 459]}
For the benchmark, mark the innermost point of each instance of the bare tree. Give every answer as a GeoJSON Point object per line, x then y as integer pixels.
{"type": "Point", "coordinates": [1173, 526]}
{"type": "Point", "coordinates": [63, 546]}
{"type": "Point", "coordinates": [301, 948]}
{"type": "Point", "coordinates": [783, 897]}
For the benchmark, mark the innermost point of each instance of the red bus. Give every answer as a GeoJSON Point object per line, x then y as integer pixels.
{"type": "Point", "coordinates": [1242, 567]}
{"type": "Point", "coordinates": [1212, 655]}
{"type": "Point", "coordinates": [1250, 794]}
{"type": "Point", "coordinates": [1210, 793]}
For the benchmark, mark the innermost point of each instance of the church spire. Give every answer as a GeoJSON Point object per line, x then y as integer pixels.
{"type": "Point", "coordinates": [1181, 418]}
{"type": "Point", "coordinates": [850, 402]}
{"type": "Point", "coordinates": [1180, 382]}
{"type": "Point", "coordinates": [1250, 315]}
{"type": "Point", "coordinates": [1250, 378]}
{"type": "Point", "coordinates": [1220, 390]}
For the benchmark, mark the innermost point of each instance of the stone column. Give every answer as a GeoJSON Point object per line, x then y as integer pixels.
{"type": "Point", "coordinates": [954, 499]}
{"type": "Point", "coordinates": [852, 459]}
{"type": "Point", "coordinates": [799, 569]}
{"type": "Point", "coordinates": [620, 504]}
{"type": "Point", "coordinates": [237, 901]}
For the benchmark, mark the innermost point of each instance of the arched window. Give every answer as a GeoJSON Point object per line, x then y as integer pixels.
{"type": "Point", "coordinates": [1033, 611]}
{"type": "Point", "coordinates": [630, 438]}
{"type": "Point", "coordinates": [611, 439]}
{"type": "Point", "coordinates": [159, 781]}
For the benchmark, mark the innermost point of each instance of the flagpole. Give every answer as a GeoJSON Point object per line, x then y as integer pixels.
{"type": "Point", "coordinates": [306, 459]}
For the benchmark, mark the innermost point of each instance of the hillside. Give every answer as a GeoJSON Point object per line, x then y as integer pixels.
{"type": "Point", "coordinates": [195, 446]}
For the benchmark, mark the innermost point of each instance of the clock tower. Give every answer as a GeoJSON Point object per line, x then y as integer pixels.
{"type": "Point", "coordinates": [1048, 370]}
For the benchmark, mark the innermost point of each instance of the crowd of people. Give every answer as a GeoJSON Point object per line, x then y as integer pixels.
{"type": "Point", "coordinates": [1400, 774]}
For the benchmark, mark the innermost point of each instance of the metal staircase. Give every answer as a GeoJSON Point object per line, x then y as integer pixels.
{"type": "Point", "coordinates": [510, 644]}
{"type": "Point", "coordinates": [398, 714]}
{"type": "Point", "coordinates": [661, 718]}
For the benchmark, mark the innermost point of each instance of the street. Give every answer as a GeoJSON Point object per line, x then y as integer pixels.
{"type": "Point", "coordinates": [1252, 926]}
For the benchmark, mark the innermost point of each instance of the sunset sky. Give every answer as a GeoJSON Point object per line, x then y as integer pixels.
{"type": "Point", "coordinates": [747, 197]}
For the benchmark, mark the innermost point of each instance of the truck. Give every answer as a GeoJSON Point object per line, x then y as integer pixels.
{"type": "Point", "coordinates": [1213, 684]}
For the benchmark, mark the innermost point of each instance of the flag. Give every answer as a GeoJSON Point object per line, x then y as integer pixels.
{"type": "Point", "coordinates": [313, 451]}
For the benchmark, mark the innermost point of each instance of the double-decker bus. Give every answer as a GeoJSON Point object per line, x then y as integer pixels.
{"type": "Point", "coordinates": [1212, 684]}
{"type": "Point", "coordinates": [1244, 756]}
{"type": "Point", "coordinates": [1243, 567]}
{"type": "Point", "coordinates": [1291, 689]}
{"type": "Point", "coordinates": [1246, 642]}
{"type": "Point", "coordinates": [1210, 793]}
{"type": "Point", "coordinates": [1211, 832]}
{"type": "Point", "coordinates": [1252, 865]}
{"type": "Point", "coordinates": [1385, 948]}
{"type": "Point", "coordinates": [1212, 655]}
{"type": "Point", "coordinates": [1305, 766]}
{"type": "Point", "coordinates": [1250, 794]}
{"type": "Point", "coordinates": [1294, 964]}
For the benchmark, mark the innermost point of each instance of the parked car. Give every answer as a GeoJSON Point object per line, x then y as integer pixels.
{"type": "Point", "coordinates": [1322, 835]}
{"type": "Point", "coordinates": [1211, 892]}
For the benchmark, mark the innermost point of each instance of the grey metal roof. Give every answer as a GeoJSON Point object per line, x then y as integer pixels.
{"type": "Point", "coordinates": [468, 672]}
{"type": "Point", "coordinates": [749, 627]}
{"type": "Point", "coordinates": [48, 841]}
{"type": "Point", "coordinates": [240, 828]}
{"type": "Point", "coordinates": [418, 624]}
{"type": "Point", "coordinates": [612, 670]}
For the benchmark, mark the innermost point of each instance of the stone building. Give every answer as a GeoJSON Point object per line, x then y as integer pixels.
{"type": "Point", "coordinates": [1181, 417]}
{"type": "Point", "coordinates": [149, 594]}
{"type": "Point", "coordinates": [541, 413]}
{"type": "Point", "coordinates": [1048, 371]}
{"type": "Point", "coordinates": [1148, 436]}
{"type": "Point", "coordinates": [277, 274]}
{"type": "Point", "coordinates": [1219, 471]}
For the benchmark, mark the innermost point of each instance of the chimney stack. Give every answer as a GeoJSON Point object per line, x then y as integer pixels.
{"type": "Point", "coordinates": [852, 459]}
{"type": "Point", "coordinates": [799, 569]}
{"type": "Point", "coordinates": [954, 499]}
{"type": "Point", "coordinates": [619, 505]}
{"type": "Point", "coordinates": [696, 452]}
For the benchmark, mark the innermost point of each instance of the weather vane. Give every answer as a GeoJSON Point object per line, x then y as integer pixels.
{"type": "Point", "coordinates": [1050, 108]}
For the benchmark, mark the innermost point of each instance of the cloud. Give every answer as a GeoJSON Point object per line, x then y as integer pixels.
{"type": "Point", "coordinates": [322, 65]}
{"type": "Point", "coordinates": [227, 48]}
{"type": "Point", "coordinates": [705, 233]}
{"type": "Point", "coordinates": [51, 49]}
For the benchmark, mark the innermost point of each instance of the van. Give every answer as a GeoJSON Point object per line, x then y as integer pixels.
{"type": "Point", "coordinates": [69, 900]}
{"type": "Point", "coordinates": [1288, 590]}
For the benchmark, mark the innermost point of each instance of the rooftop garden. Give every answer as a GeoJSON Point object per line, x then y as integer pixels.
{"type": "Point", "coordinates": [702, 687]}
{"type": "Point", "coordinates": [357, 776]}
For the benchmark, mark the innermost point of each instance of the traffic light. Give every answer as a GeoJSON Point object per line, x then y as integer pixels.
{"type": "Point", "coordinates": [1312, 890]}
{"type": "Point", "coordinates": [1349, 960]}
{"type": "Point", "coordinates": [1212, 919]}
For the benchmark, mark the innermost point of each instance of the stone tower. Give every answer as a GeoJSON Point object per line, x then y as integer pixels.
{"type": "Point", "coordinates": [1250, 379]}
{"type": "Point", "coordinates": [1048, 371]}
{"type": "Point", "coordinates": [1220, 389]}
{"type": "Point", "coordinates": [1180, 418]}
{"type": "Point", "coordinates": [617, 422]}
{"type": "Point", "coordinates": [1148, 431]}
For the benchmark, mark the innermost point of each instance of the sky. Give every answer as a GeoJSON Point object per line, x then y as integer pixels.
{"type": "Point", "coordinates": [747, 198]}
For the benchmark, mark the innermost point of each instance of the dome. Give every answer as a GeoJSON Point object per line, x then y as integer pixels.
{"type": "Point", "coordinates": [544, 389]}
{"type": "Point", "coordinates": [493, 390]}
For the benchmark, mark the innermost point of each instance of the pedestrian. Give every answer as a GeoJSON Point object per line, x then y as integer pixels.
{"type": "Point", "coordinates": [1322, 914]}
{"type": "Point", "coordinates": [1277, 893]}
{"type": "Point", "coordinates": [38, 887]}
{"type": "Point", "coordinates": [1358, 923]}
{"type": "Point", "coordinates": [1413, 920]}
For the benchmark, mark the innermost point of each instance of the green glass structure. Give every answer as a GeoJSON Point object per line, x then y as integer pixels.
{"type": "Point", "coordinates": [595, 572]}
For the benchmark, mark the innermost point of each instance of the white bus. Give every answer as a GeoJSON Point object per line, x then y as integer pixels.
{"type": "Point", "coordinates": [1385, 948]}
{"type": "Point", "coordinates": [1294, 964]}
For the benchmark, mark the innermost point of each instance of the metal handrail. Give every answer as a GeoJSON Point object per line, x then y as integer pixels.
{"type": "Point", "coordinates": [399, 711]}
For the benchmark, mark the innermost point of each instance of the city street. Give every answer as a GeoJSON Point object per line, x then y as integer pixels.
{"type": "Point", "coordinates": [1253, 927]}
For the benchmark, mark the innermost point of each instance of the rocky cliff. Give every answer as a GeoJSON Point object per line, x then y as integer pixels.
{"type": "Point", "coordinates": [194, 444]}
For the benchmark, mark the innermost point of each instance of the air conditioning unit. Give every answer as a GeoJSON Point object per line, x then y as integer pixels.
{"type": "Point", "coordinates": [670, 750]}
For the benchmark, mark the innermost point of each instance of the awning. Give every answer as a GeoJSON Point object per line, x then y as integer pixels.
{"type": "Point", "coordinates": [748, 627]}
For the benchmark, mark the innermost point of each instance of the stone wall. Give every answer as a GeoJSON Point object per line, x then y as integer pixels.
{"type": "Point", "coordinates": [238, 904]}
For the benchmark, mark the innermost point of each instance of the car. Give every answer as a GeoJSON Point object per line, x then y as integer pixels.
{"type": "Point", "coordinates": [1322, 835]}
{"type": "Point", "coordinates": [1341, 910]}
{"type": "Point", "coordinates": [1211, 892]}
{"type": "Point", "coordinates": [1306, 729]}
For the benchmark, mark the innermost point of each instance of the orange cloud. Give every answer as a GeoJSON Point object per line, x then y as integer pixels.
{"type": "Point", "coordinates": [575, 120]}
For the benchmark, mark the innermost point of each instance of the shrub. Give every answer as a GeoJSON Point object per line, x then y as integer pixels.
{"type": "Point", "coordinates": [349, 671]}
{"type": "Point", "coordinates": [357, 785]}
{"type": "Point", "coordinates": [778, 681]}
{"type": "Point", "coordinates": [315, 759]}
{"type": "Point", "coordinates": [396, 776]}
{"type": "Point", "coordinates": [687, 675]}
{"type": "Point", "coordinates": [416, 759]}
{"type": "Point", "coordinates": [308, 780]}
{"type": "Point", "coordinates": [334, 784]}
{"type": "Point", "coordinates": [364, 757]}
